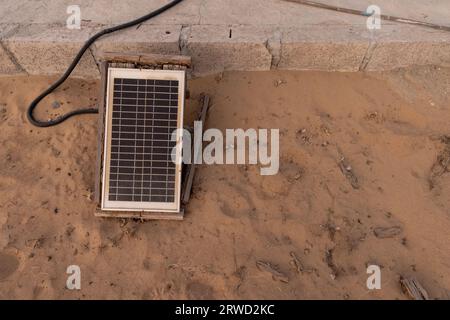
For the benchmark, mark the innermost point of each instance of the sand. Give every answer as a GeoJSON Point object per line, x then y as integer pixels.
{"type": "Point", "coordinates": [307, 233]}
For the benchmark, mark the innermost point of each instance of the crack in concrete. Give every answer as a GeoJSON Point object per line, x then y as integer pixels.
{"type": "Point", "coordinates": [8, 52]}
{"type": "Point", "coordinates": [97, 63]}
{"type": "Point", "coordinates": [273, 45]}
{"type": "Point", "coordinates": [200, 7]}
{"type": "Point", "coordinates": [12, 57]}
{"type": "Point", "coordinates": [183, 39]}
{"type": "Point", "coordinates": [368, 55]}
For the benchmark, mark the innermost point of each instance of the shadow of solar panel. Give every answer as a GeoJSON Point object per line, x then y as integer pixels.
{"type": "Point", "coordinates": [142, 155]}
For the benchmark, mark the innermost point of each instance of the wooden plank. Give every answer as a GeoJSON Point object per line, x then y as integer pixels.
{"type": "Point", "coordinates": [141, 215]}
{"type": "Point", "coordinates": [187, 190]}
{"type": "Point", "coordinates": [100, 130]}
{"type": "Point", "coordinates": [145, 58]}
{"type": "Point", "coordinates": [276, 274]}
{"type": "Point", "coordinates": [413, 289]}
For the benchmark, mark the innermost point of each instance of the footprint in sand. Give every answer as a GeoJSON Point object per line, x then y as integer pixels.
{"type": "Point", "coordinates": [8, 265]}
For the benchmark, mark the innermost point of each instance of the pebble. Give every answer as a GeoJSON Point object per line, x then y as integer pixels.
{"type": "Point", "coordinates": [56, 104]}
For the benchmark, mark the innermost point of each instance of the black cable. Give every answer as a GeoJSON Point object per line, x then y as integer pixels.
{"type": "Point", "coordinates": [74, 63]}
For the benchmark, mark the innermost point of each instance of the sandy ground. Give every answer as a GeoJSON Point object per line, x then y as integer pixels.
{"type": "Point", "coordinates": [391, 129]}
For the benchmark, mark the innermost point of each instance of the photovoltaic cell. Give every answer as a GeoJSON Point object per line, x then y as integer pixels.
{"type": "Point", "coordinates": [144, 116]}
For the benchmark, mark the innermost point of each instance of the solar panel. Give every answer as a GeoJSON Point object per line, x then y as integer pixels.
{"type": "Point", "coordinates": [143, 109]}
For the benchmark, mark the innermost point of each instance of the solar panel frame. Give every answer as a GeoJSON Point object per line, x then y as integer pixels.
{"type": "Point", "coordinates": [142, 74]}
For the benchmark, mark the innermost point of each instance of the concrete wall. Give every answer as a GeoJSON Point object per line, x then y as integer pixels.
{"type": "Point", "coordinates": [218, 35]}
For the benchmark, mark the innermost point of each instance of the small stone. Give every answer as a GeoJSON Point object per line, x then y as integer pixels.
{"type": "Point", "coordinates": [219, 77]}
{"type": "Point", "coordinates": [389, 232]}
{"type": "Point", "coordinates": [279, 82]}
{"type": "Point", "coordinates": [56, 104]}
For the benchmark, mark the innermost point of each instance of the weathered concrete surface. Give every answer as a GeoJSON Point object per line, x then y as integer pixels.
{"type": "Point", "coordinates": [218, 12]}
{"type": "Point", "coordinates": [8, 64]}
{"type": "Point", "coordinates": [163, 39]}
{"type": "Point", "coordinates": [431, 11]}
{"type": "Point", "coordinates": [316, 48]}
{"type": "Point", "coordinates": [390, 48]}
{"type": "Point", "coordinates": [224, 35]}
{"type": "Point", "coordinates": [218, 48]}
{"type": "Point", "coordinates": [42, 50]}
